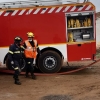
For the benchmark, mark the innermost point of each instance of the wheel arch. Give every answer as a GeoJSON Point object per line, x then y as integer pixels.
{"type": "Point", "coordinates": [52, 49]}
{"type": "Point", "coordinates": [4, 60]}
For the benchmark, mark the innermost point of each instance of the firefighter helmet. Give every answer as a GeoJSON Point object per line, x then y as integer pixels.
{"type": "Point", "coordinates": [18, 39]}
{"type": "Point", "coordinates": [30, 34]}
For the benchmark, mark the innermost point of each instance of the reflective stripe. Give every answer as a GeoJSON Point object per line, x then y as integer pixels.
{"type": "Point", "coordinates": [29, 62]}
{"type": "Point", "coordinates": [22, 47]}
{"type": "Point", "coordinates": [11, 52]}
{"type": "Point", "coordinates": [17, 38]}
{"type": "Point", "coordinates": [17, 52]}
{"type": "Point", "coordinates": [16, 68]}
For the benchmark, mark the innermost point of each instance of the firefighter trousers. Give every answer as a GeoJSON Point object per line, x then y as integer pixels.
{"type": "Point", "coordinates": [29, 66]}
{"type": "Point", "coordinates": [17, 70]}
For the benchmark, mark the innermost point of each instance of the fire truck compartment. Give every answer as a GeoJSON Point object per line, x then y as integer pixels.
{"type": "Point", "coordinates": [80, 26]}
{"type": "Point", "coordinates": [80, 35]}
{"type": "Point", "coordinates": [81, 51]}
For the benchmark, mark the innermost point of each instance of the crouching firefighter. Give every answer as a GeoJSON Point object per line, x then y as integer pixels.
{"type": "Point", "coordinates": [30, 52]}
{"type": "Point", "coordinates": [15, 55]}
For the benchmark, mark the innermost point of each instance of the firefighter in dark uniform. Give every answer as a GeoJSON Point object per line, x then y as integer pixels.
{"type": "Point", "coordinates": [15, 54]}
{"type": "Point", "coordinates": [31, 51]}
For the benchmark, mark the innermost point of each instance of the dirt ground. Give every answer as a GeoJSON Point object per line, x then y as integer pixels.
{"type": "Point", "coordinates": [82, 85]}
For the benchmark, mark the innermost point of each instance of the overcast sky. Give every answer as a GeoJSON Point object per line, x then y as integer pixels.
{"type": "Point", "coordinates": [95, 2]}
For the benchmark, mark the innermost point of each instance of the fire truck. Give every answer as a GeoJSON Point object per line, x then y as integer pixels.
{"type": "Point", "coordinates": [65, 32]}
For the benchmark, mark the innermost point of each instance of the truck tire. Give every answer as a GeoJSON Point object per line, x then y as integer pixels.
{"type": "Point", "coordinates": [50, 62]}
{"type": "Point", "coordinates": [22, 65]}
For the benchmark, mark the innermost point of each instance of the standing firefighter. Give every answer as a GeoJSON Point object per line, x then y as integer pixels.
{"type": "Point", "coordinates": [15, 55]}
{"type": "Point", "coordinates": [31, 51]}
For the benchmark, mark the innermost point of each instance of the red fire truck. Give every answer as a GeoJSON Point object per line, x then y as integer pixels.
{"type": "Point", "coordinates": [65, 32]}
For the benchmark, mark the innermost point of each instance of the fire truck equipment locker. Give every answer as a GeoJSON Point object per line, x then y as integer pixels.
{"type": "Point", "coordinates": [81, 35]}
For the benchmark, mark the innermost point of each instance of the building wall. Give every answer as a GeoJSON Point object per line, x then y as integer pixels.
{"type": "Point", "coordinates": [98, 32]}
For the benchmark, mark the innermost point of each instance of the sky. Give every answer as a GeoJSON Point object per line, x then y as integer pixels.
{"type": "Point", "coordinates": [95, 2]}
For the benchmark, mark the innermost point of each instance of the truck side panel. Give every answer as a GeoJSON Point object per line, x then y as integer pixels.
{"type": "Point", "coordinates": [48, 28]}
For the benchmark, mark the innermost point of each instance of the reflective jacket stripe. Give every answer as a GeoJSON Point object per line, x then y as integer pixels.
{"type": "Point", "coordinates": [16, 68]}
{"type": "Point", "coordinates": [17, 52]}
{"type": "Point", "coordinates": [22, 47]}
{"type": "Point", "coordinates": [11, 52]}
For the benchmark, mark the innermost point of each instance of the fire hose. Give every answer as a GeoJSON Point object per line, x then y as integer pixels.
{"type": "Point", "coordinates": [59, 73]}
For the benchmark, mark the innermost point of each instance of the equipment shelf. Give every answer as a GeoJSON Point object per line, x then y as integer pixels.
{"type": "Point", "coordinates": [80, 28]}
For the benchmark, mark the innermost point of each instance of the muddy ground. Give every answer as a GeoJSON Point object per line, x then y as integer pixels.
{"type": "Point", "coordinates": [82, 85]}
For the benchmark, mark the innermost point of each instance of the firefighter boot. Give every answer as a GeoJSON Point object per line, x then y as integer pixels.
{"type": "Point", "coordinates": [26, 74]}
{"type": "Point", "coordinates": [33, 76]}
{"type": "Point", "coordinates": [16, 80]}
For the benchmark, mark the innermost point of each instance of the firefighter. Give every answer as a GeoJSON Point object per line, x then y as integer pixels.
{"type": "Point", "coordinates": [31, 51]}
{"type": "Point", "coordinates": [15, 54]}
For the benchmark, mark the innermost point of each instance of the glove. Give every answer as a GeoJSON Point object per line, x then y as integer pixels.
{"type": "Point", "coordinates": [34, 61]}
{"type": "Point", "coordinates": [19, 69]}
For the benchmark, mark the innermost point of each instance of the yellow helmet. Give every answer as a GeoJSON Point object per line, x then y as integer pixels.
{"type": "Point", "coordinates": [30, 34]}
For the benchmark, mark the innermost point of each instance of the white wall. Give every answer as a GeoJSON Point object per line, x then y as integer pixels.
{"type": "Point", "coordinates": [98, 32]}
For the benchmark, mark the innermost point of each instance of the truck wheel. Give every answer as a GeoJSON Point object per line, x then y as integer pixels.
{"type": "Point", "coordinates": [22, 64]}
{"type": "Point", "coordinates": [50, 62]}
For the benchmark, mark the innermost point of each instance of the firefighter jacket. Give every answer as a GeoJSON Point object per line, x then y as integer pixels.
{"type": "Point", "coordinates": [15, 52]}
{"type": "Point", "coordinates": [31, 49]}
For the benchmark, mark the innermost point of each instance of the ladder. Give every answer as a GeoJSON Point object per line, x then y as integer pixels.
{"type": "Point", "coordinates": [32, 3]}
